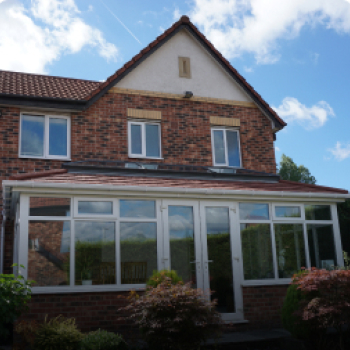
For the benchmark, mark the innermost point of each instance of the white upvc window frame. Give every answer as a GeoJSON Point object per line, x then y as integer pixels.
{"type": "Point", "coordinates": [226, 164]}
{"type": "Point", "coordinates": [274, 220]}
{"type": "Point", "coordinates": [73, 218]}
{"type": "Point", "coordinates": [46, 136]}
{"type": "Point", "coordinates": [143, 138]}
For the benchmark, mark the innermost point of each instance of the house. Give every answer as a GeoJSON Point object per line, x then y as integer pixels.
{"type": "Point", "coordinates": [169, 163]}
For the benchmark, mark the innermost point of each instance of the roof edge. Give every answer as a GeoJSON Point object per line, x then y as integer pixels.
{"type": "Point", "coordinates": [28, 176]}
{"type": "Point", "coordinates": [188, 191]}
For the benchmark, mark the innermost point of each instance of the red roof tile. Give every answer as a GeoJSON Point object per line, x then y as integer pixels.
{"type": "Point", "coordinates": [85, 179]}
{"type": "Point", "coordinates": [34, 85]}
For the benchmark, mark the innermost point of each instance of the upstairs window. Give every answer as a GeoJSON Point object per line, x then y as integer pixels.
{"type": "Point", "coordinates": [43, 136]}
{"type": "Point", "coordinates": [144, 140]}
{"type": "Point", "coordinates": [226, 150]}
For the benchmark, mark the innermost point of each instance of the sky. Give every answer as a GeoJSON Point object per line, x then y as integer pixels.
{"type": "Point", "coordinates": [295, 53]}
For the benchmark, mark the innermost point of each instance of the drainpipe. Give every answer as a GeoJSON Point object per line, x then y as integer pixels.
{"type": "Point", "coordinates": [2, 238]}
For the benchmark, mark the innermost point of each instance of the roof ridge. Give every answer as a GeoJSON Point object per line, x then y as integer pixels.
{"type": "Point", "coordinates": [49, 76]}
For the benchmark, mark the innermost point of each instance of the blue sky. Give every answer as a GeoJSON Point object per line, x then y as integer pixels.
{"type": "Point", "coordinates": [295, 53]}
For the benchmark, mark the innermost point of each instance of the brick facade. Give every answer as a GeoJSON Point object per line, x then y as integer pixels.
{"type": "Point", "coordinates": [100, 132]}
{"type": "Point", "coordinates": [262, 305]}
{"type": "Point", "coordinates": [262, 308]}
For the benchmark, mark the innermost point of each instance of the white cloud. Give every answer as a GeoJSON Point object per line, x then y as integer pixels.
{"type": "Point", "coordinates": [43, 32]}
{"type": "Point", "coordinates": [340, 151]}
{"type": "Point", "coordinates": [277, 149]}
{"type": "Point", "coordinates": [256, 26]}
{"type": "Point", "coordinates": [248, 69]}
{"type": "Point", "coordinates": [292, 111]}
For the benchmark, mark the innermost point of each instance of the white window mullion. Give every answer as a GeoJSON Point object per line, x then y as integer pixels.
{"type": "Point", "coordinates": [72, 251]}
{"type": "Point", "coordinates": [143, 139]}
{"type": "Point", "coordinates": [46, 137]}
{"type": "Point", "coordinates": [274, 253]}
{"type": "Point", "coordinates": [306, 245]}
{"type": "Point", "coordinates": [225, 146]}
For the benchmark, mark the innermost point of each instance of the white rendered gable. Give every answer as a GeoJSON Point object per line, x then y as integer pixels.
{"type": "Point", "coordinates": [160, 72]}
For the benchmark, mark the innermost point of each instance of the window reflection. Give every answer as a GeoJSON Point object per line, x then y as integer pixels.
{"type": "Point", "coordinates": [45, 206]}
{"type": "Point", "coordinates": [318, 212]}
{"type": "Point", "coordinates": [181, 231]}
{"type": "Point", "coordinates": [257, 251]}
{"type": "Point", "coordinates": [86, 207]}
{"type": "Point", "coordinates": [58, 128]}
{"type": "Point", "coordinates": [48, 252]}
{"type": "Point", "coordinates": [219, 253]}
{"type": "Point", "coordinates": [287, 212]}
{"type": "Point", "coordinates": [137, 209]}
{"type": "Point", "coordinates": [32, 135]}
{"type": "Point", "coordinates": [253, 211]}
{"type": "Point", "coordinates": [94, 253]}
{"type": "Point", "coordinates": [321, 246]}
{"type": "Point", "coordinates": [290, 249]}
{"type": "Point", "coordinates": [138, 249]}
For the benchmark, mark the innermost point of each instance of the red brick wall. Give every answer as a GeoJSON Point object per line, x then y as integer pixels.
{"type": "Point", "coordinates": [91, 310]}
{"type": "Point", "coordinates": [262, 308]}
{"type": "Point", "coordinates": [262, 305]}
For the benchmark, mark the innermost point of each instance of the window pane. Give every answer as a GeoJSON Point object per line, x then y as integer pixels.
{"type": "Point", "coordinates": [219, 253]}
{"type": "Point", "coordinates": [138, 249]}
{"type": "Point", "coordinates": [318, 212]}
{"type": "Point", "coordinates": [58, 128]}
{"type": "Point", "coordinates": [253, 211]}
{"type": "Point", "coordinates": [321, 246]}
{"type": "Point", "coordinates": [85, 207]}
{"type": "Point", "coordinates": [219, 147]}
{"type": "Point", "coordinates": [152, 141]}
{"type": "Point", "coordinates": [32, 135]}
{"type": "Point", "coordinates": [181, 231]}
{"type": "Point", "coordinates": [232, 148]}
{"type": "Point", "coordinates": [290, 249]}
{"type": "Point", "coordinates": [94, 253]}
{"type": "Point", "coordinates": [48, 252]}
{"type": "Point", "coordinates": [137, 209]}
{"type": "Point", "coordinates": [257, 251]}
{"type": "Point", "coordinates": [42, 206]}
{"type": "Point", "coordinates": [136, 139]}
{"type": "Point", "coordinates": [287, 212]}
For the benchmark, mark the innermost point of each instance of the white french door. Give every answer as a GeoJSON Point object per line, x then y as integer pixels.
{"type": "Point", "coordinates": [201, 242]}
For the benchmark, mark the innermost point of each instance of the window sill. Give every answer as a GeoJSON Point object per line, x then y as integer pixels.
{"type": "Point", "coordinates": [43, 158]}
{"type": "Point", "coordinates": [141, 157]}
{"type": "Point", "coordinates": [86, 289]}
{"type": "Point", "coordinates": [270, 282]}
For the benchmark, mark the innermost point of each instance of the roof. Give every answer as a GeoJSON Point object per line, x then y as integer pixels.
{"type": "Point", "coordinates": [62, 176]}
{"type": "Point", "coordinates": [25, 84]}
{"type": "Point", "coordinates": [88, 92]}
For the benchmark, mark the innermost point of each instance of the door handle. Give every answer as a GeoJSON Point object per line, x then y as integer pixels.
{"type": "Point", "coordinates": [194, 262]}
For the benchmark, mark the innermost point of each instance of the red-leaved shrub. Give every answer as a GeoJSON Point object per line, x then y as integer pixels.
{"type": "Point", "coordinates": [174, 316]}
{"type": "Point", "coordinates": [327, 297]}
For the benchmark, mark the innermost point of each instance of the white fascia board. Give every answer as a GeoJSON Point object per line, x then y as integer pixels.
{"type": "Point", "coordinates": [35, 186]}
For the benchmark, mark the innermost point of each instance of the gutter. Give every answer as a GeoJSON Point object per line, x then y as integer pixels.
{"type": "Point", "coordinates": [179, 190]}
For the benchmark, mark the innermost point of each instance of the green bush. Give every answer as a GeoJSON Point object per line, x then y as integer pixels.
{"type": "Point", "coordinates": [103, 340]}
{"type": "Point", "coordinates": [58, 334]}
{"type": "Point", "coordinates": [290, 319]}
{"type": "Point", "coordinates": [159, 277]}
{"type": "Point", "coordinates": [15, 294]}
